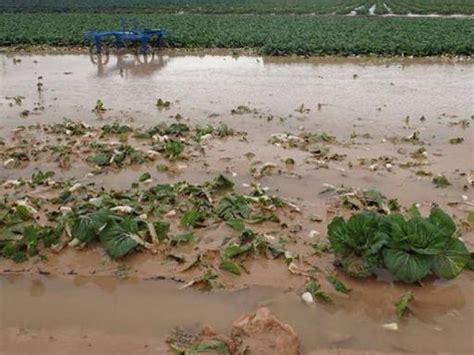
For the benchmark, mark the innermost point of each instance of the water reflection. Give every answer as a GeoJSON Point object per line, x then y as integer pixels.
{"type": "Point", "coordinates": [105, 283]}
{"type": "Point", "coordinates": [37, 288]}
{"type": "Point", "coordinates": [128, 64]}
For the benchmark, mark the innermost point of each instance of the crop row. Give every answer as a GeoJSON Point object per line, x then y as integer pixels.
{"type": "Point", "coordinates": [242, 6]}
{"type": "Point", "coordinates": [196, 6]}
{"type": "Point", "coordinates": [270, 34]}
{"type": "Point", "coordinates": [430, 6]}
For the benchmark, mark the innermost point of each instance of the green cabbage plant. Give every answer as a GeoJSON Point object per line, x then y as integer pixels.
{"type": "Point", "coordinates": [409, 248]}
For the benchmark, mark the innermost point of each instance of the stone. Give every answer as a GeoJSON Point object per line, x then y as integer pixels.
{"type": "Point", "coordinates": [263, 333]}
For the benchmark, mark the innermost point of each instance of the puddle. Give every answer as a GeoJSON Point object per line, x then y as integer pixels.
{"type": "Point", "coordinates": [208, 84]}
{"type": "Point", "coordinates": [78, 311]}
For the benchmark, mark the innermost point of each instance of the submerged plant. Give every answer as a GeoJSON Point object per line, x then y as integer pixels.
{"type": "Point", "coordinates": [161, 104]}
{"type": "Point", "coordinates": [314, 288]}
{"type": "Point", "coordinates": [403, 304]}
{"type": "Point", "coordinates": [441, 181]}
{"type": "Point", "coordinates": [99, 107]}
{"type": "Point", "coordinates": [173, 149]}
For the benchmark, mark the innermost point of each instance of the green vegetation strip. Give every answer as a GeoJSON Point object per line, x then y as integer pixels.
{"type": "Point", "coordinates": [242, 6]}
{"type": "Point", "coordinates": [195, 6]}
{"type": "Point", "coordinates": [273, 35]}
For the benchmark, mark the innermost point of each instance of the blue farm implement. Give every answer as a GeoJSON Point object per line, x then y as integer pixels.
{"type": "Point", "coordinates": [145, 38]}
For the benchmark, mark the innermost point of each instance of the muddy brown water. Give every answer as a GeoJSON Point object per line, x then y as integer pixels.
{"type": "Point", "coordinates": [57, 311]}
{"type": "Point", "coordinates": [95, 312]}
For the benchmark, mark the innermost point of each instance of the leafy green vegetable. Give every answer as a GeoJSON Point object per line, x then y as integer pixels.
{"type": "Point", "coordinates": [51, 235]}
{"type": "Point", "coordinates": [119, 239]}
{"type": "Point", "coordinates": [337, 284]}
{"type": "Point", "coordinates": [314, 288]}
{"type": "Point", "coordinates": [192, 218]}
{"type": "Point", "coordinates": [161, 229]}
{"type": "Point", "coordinates": [407, 267]}
{"type": "Point", "coordinates": [63, 196]}
{"type": "Point", "coordinates": [40, 177]}
{"type": "Point", "coordinates": [173, 149]}
{"type": "Point", "coordinates": [31, 236]}
{"type": "Point", "coordinates": [441, 181]}
{"type": "Point", "coordinates": [232, 207]}
{"type": "Point", "coordinates": [357, 242]}
{"type": "Point", "coordinates": [259, 218]}
{"type": "Point", "coordinates": [284, 34]}
{"type": "Point", "coordinates": [413, 211]}
{"type": "Point", "coordinates": [144, 177]}
{"type": "Point", "coordinates": [13, 250]}
{"type": "Point", "coordinates": [101, 159]}
{"type": "Point", "coordinates": [417, 235]}
{"type": "Point", "coordinates": [236, 224]}
{"type": "Point", "coordinates": [452, 260]}
{"type": "Point", "coordinates": [403, 303]}
{"type": "Point", "coordinates": [470, 217]}
{"type": "Point", "coordinates": [221, 182]}
{"type": "Point", "coordinates": [229, 265]}
{"type": "Point", "coordinates": [86, 227]}
{"type": "Point", "coordinates": [443, 222]}
{"type": "Point", "coordinates": [211, 346]}
{"type": "Point", "coordinates": [23, 212]}
{"type": "Point", "coordinates": [247, 235]}
{"type": "Point", "coordinates": [234, 250]}
{"type": "Point", "coordinates": [182, 237]}
{"type": "Point", "coordinates": [410, 249]}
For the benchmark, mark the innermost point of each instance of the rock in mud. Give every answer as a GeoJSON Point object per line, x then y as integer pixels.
{"type": "Point", "coordinates": [263, 333]}
{"type": "Point", "coordinates": [307, 297]}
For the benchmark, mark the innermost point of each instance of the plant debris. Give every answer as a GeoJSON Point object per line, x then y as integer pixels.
{"type": "Point", "coordinates": [403, 304]}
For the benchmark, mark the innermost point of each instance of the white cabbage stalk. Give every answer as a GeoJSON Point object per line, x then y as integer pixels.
{"type": "Point", "coordinates": [140, 241]}
{"type": "Point", "coordinates": [11, 183]}
{"type": "Point", "coordinates": [65, 210]}
{"type": "Point", "coordinates": [206, 137]}
{"type": "Point", "coordinates": [152, 154]}
{"type": "Point", "coordinates": [152, 230]}
{"type": "Point", "coordinates": [9, 163]}
{"type": "Point", "coordinates": [122, 209]}
{"type": "Point", "coordinates": [295, 270]}
{"type": "Point", "coordinates": [390, 326]}
{"type": "Point", "coordinates": [293, 206]}
{"type": "Point", "coordinates": [75, 187]}
{"type": "Point", "coordinates": [74, 243]}
{"type": "Point", "coordinates": [269, 237]}
{"type": "Point", "coordinates": [96, 201]}
{"type": "Point", "coordinates": [171, 213]}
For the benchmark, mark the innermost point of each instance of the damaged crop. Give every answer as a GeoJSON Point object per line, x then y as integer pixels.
{"type": "Point", "coordinates": [410, 248]}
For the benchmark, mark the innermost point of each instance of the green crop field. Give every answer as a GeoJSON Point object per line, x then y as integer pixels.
{"type": "Point", "coordinates": [271, 26]}
{"type": "Point", "coordinates": [242, 6]}
{"type": "Point", "coordinates": [444, 7]}
{"type": "Point", "coordinates": [279, 34]}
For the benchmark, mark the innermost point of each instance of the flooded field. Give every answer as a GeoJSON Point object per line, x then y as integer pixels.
{"type": "Point", "coordinates": [88, 314]}
{"type": "Point", "coordinates": [316, 133]}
